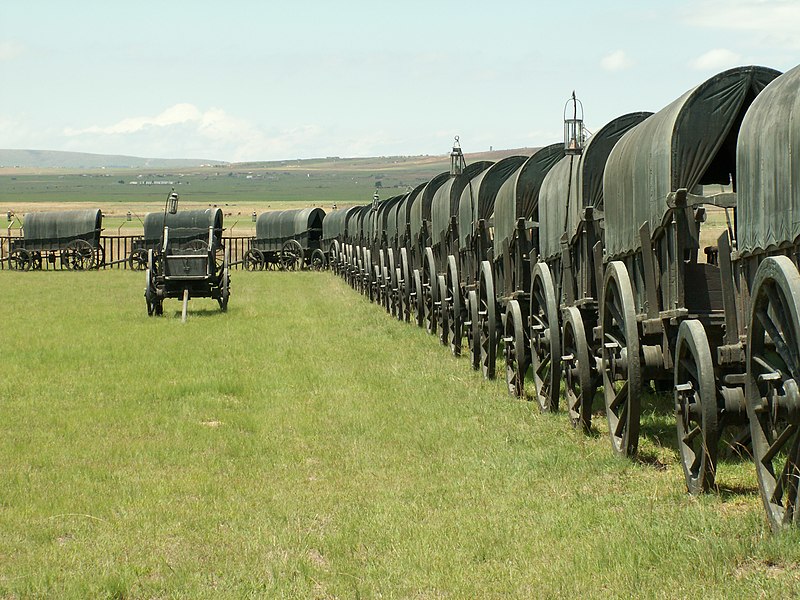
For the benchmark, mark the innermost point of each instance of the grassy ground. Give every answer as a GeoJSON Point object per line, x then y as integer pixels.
{"type": "Point", "coordinates": [306, 445]}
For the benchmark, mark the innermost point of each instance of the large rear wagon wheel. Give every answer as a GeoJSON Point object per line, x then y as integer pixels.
{"type": "Point", "coordinates": [441, 312]}
{"type": "Point", "coordinates": [291, 256]}
{"type": "Point", "coordinates": [430, 291]}
{"type": "Point", "coordinates": [406, 284]}
{"type": "Point", "coordinates": [516, 350]}
{"type": "Point", "coordinates": [696, 407]}
{"type": "Point", "coordinates": [454, 305]}
{"type": "Point", "coordinates": [81, 256]}
{"type": "Point", "coordinates": [771, 387]}
{"type": "Point", "coordinates": [400, 307]}
{"type": "Point", "coordinates": [622, 376]}
{"type": "Point", "coordinates": [417, 297]}
{"type": "Point", "coordinates": [487, 315]}
{"type": "Point", "coordinates": [580, 383]}
{"type": "Point", "coordinates": [545, 338]}
{"type": "Point", "coordinates": [474, 330]}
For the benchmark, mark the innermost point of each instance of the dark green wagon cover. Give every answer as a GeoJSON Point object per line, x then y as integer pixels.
{"type": "Point", "coordinates": [184, 226]}
{"type": "Point", "coordinates": [477, 200]}
{"type": "Point", "coordinates": [768, 168]}
{"type": "Point", "coordinates": [421, 208]}
{"type": "Point", "coordinates": [276, 227]}
{"type": "Point", "coordinates": [690, 142]}
{"type": "Point", "coordinates": [576, 183]}
{"type": "Point", "coordinates": [63, 226]}
{"type": "Point", "coordinates": [519, 195]}
{"type": "Point", "coordinates": [446, 199]}
{"type": "Point", "coordinates": [333, 225]}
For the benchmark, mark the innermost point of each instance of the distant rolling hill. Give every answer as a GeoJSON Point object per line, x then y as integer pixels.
{"type": "Point", "coordinates": [52, 159]}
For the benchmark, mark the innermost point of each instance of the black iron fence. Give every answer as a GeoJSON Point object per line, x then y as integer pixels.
{"type": "Point", "coordinates": [115, 252]}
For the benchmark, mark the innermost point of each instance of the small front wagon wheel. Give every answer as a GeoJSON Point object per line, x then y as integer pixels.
{"type": "Point", "coordinates": [696, 407]}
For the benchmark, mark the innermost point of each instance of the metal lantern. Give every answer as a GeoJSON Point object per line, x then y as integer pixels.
{"type": "Point", "coordinates": [457, 162]}
{"type": "Point", "coordinates": [129, 216]}
{"type": "Point", "coordinates": [573, 126]}
{"type": "Point", "coordinates": [375, 199]}
{"type": "Point", "coordinates": [254, 216]}
{"type": "Point", "coordinates": [172, 203]}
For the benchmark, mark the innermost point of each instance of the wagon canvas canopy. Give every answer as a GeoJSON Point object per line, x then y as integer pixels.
{"type": "Point", "coordinates": [276, 227]}
{"type": "Point", "coordinates": [768, 165]}
{"type": "Point", "coordinates": [63, 225]}
{"type": "Point", "coordinates": [576, 183]}
{"type": "Point", "coordinates": [519, 195]}
{"type": "Point", "coordinates": [477, 200]}
{"type": "Point", "coordinates": [184, 226]}
{"type": "Point", "coordinates": [445, 202]}
{"type": "Point", "coordinates": [690, 142]}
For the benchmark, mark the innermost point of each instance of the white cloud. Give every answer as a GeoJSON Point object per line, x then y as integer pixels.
{"type": "Point", "coordinates": [9, 50]}
{"type": "Point", "coordinates": [718, 58]}
{"type": "Point", "coordinates": [616, 61]}
{"type": "Point", "coordinates": [771, 22]}
{"type": "Point", "coordinates": [186, 131]}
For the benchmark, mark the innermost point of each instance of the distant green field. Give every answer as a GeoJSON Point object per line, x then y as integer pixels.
{"type": "Point", "coordinates": [129, 189]}
{"type": "Point", "coordinates": [305, 445]}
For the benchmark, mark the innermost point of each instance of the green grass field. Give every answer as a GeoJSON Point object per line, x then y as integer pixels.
{"type": "Point", "coordinates": [305, 445]}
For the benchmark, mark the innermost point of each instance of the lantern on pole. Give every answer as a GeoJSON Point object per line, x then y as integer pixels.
{"type": "Point", "coordinates": [573, 126]}
{"type": "Point", "coordinates": [172, 203]}
{"type": "Point", "coordinates": [457, 162]}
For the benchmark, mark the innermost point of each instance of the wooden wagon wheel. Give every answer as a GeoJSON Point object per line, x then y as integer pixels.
{"type": "Point", "coordinates": [545, 338]}
{"type": "Point", "coordinates": [137, 260]}
{"type": "Point", "coordinates": [392, 282]}
{"type": "Point", "coordinates": [696, 407]}
{"type": "Point", "coordinates": [291, 255]}
{"type": "Point", "coordinates": [318, 261]}
{"type": "Point", "coordinates": [150, 295]}
{"type": "Point", "coordinates": [771, 387]}
{"type": "Point", "coordinates": [515, 350]}
{"type": "Point", "coordinates": [253, 260]}
{"type": "Point", "coordinates": [386, 288]}
{"type": "Point", "coordinates": [417, 299]}
{"type": "Point", "coordinates": [400, 305]}
{"type": "Point", "coordinates": [473, 327]}
{"type": "Point", "coordinates": [441, 311]}
{"type": "Point", "coordinates": [487, 319]}
{"type": "Point", "coordinates": [430, 291]}
{"type": "Point", "coordinates": [622, 375]}
{"type": "Point", "coordinates": [225, 285]}
{"type": "Point", "coordinates": [453, 304]}
{"type": "Point", "coordinates": [580, 381]}
{"type": "Point", "coordinates": [406, 283]}
{"type": "Point", "coordinates": [80, 256]}
{"type": "Point", "coordinates": [335, 257]}
{"type": "Point", "coordinates": [20, 259]}
{"type": "Point", "coordinates": [376, 284]}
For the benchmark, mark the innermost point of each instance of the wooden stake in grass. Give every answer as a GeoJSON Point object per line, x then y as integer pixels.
{"type": "Point", "coordinates": [185, 305]}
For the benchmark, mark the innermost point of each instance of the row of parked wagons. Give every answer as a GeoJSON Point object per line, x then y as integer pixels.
{"type": "Point", "coordinates": [581, 267]}
{"type": "Point", "coordinates": [183, 253]}
{"type": "Point", "coordinates": [288, 239]}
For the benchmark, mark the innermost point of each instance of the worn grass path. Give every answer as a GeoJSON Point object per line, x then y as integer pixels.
{"type": "Point", "coordinates": [306, 445]}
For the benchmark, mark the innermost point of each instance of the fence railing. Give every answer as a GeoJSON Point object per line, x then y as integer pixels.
{"type": "Point", "coordinates": [116, 250]}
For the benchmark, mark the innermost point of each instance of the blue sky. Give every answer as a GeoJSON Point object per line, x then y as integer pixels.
{"type": "Point", "coordinates": [241, 80]}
